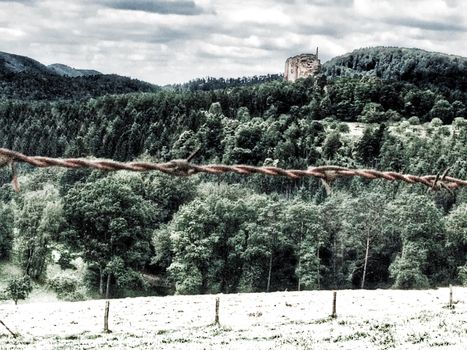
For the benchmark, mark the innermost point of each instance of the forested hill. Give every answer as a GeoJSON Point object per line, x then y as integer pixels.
{"type": "Point", "coordinates": [26, 79]}
{"type": "Point", "coordinates": [403, 64]}
{"type": "Point", "coordinates": [232, 233]}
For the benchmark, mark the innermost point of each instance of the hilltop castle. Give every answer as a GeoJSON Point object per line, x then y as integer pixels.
{"type": "Point", "coordinates": [302, 66]}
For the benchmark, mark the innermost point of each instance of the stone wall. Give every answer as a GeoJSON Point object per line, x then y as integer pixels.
{"type": "Point", "coordinates": [301, 66]}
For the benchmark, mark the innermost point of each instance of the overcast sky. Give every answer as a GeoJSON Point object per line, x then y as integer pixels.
{"type": "Point", "coordinates": [170, 41]}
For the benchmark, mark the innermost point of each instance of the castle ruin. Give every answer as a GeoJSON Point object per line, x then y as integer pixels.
{"type": "Point", "coordinates": [302, 66]}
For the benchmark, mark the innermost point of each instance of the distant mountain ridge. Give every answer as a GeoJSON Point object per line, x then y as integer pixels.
{"type": "Point", "coordinates": [27, 79]}
{"type": "Point", "coordinates": [10, 63]}
{"type": "Point", "coordinates": [67, 71]}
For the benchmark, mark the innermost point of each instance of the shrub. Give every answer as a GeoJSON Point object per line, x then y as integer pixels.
{"type": "Point", "coordinates": [373, 113]}
{"type": "Point", "coordinates": [414, 120]}
{"type": "Point", "coordinates": [66, 288]}
{"type": "Point", "coordinates": [411, 278]}
{"type": "Point", "coordinates": [18, 288]}
{"type": "Point", "coordinates": [392, 116]}
{"type": "Point", "coordinates": [436, 122]}
{"type": "Point", "coordinates": [343, 128]}
{"type": "Point", "coordinates": [407, 274]}
{"type": "Point", "coordinates": [66, 261]}
{"type": "Point", "coordinates": [459, 123]}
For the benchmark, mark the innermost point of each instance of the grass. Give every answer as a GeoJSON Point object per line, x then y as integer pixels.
{"type": "Point", "coordinates": [379, 319]}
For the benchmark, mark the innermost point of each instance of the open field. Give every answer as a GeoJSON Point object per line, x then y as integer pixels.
{"type": "Point", "coordinates": [380, 319]}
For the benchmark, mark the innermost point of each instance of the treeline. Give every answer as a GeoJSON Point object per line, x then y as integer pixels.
{"type": "Point", "coordinates": [160, 234]}
{"type": "Point", "coordinates": [210, 83]}
{"type": "Point", "coordinates": [239, 124]}
{"type": "Point", "coordinates": [48, 86]}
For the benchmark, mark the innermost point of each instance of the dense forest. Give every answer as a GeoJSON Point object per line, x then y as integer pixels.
{"type": "Point", "coordinates": [210, 83]}
{"type": "Point", "coordinates": [429, 69]}
{"type": "Point", "coordinates": [152, 233]}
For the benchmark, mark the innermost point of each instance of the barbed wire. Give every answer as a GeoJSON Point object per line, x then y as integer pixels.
{"type": "Point", "coordinates": [184, 167]}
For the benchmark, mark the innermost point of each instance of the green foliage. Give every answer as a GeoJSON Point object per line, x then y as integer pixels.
{"type": "Point", "coordinates": [264, 233]}
{"type": "Point", "coordinates": [456, 243]}
{"type": "Point", "coordinates": [463, 275]}
{"type": "Point", "coordinates": [393, 63]}
{"type": "Point", "coordinates": [406, 270]}
{"type": "Point", "coordinates": [436, 122]}
{"type": "Point", "coordinates": [343, 128]}
{"type": "Point", "coordinates": [456, 226]}
{"type": "Point", "coordinates": [369, 146]}
{"type": "Point", "coordinates": [109, 225]}
{"type": "Point", "coordinates": [210, 83]}
{"type": "Point", "coordinates": [6, 230]}
{"type": "Point", "coordinates": [66, 287]}
{"type": "Point", "coordinates": [38, 220]}
{"type": "Point", "coordinates": [302, 225]}
{"type": "Point", "coordinates": [269, 262]}
{"type": "Point", "coordinates": [422, 233]}
{"type": "Point", "coordinates": [373, 113]}
{"type": "Point", "coordinates": [65, 261]}
{"type": "Point", "coordinates": [366, 238]}
{"type": "Point", "coordinates": [38, 82]}
{"type": "Point", "coordinates": [18, 288]}
{"type": "Point", "coordinates": [206, 242]}
{"type": "Point", "coordinates": [332, 145]}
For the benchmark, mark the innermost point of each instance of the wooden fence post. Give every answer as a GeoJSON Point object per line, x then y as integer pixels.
{"type": "Point", "coordinates": [106, 317]}
{"type": "Point", "coordinates": [216, 318]}
{"type": "Point", "coordinates": [451, 305]}
{"type": "Point", "coordinates": [334, 298]}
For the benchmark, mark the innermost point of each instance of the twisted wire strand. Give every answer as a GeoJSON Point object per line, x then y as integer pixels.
{"type": "Point", "coordinates": [183, 167]}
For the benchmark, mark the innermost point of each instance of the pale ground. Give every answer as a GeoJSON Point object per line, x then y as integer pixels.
{"type": "Point", "coordinates": [380, 319]}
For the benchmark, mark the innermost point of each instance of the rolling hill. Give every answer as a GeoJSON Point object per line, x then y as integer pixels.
{"type": "Point", "coordinates": [402, 64]}
{"type": "Point", "coordinates": [26, 79]}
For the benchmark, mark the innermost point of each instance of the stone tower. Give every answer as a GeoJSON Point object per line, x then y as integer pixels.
{"type": "Point", "coordinates": [302, 66]}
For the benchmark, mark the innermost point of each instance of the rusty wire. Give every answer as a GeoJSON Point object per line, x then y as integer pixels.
{"type": "Point", "coordinates": [184, 167]}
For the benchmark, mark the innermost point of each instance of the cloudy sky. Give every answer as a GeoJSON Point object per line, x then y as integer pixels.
{"type": "Point", "coordinates": [170, 41]}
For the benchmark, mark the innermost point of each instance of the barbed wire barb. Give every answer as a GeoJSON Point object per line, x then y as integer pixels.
{"type": "Point", "coordinates": [184, 167]}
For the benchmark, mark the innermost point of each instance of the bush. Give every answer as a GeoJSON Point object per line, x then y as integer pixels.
{"type": "Point", "coordinates": [343, 128]}
{"type": "Point", "coordinates": [392, 116]}
{"type": "Point", "coordinates": [65, 261]}
{"type": "Point", "coordinates": [18, 288]}
{"type": "Point", "coordinates": [372, 113]}
{"type": "Point", "coordinates": [459, 123]}
{"type": "Point", "coordinates": [436, 122]}
{"type": "Point", "coordinates": [414, 120]}
{"type": "Point", "coordinates": [406, 270]}
{"type": "Point", "coordinates": [66, 288]}
{"type": "Point", "coordinates": [411, 278]}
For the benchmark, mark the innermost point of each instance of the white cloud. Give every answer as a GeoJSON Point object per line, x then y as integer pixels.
{"type": "Point", "coordinates": [177, 40]}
